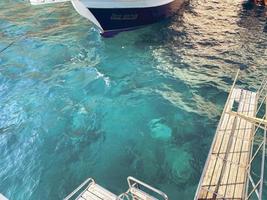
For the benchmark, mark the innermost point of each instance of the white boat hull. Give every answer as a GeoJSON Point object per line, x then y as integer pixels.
{"type": "Point", "coordinates": [122, 15]}
{"type": "Point", "coordinates": [113, 16]}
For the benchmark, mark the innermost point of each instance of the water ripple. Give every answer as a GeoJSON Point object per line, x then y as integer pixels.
{"type": "Point", "coordinates": [145, 103]}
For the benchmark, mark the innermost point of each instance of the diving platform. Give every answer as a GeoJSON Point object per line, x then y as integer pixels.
{"type": "Point", "coordinates": [227, 172]}
{"type": "Point", "coordinates": [138, 190]}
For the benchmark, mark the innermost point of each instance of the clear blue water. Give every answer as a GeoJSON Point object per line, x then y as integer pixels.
{"type": "Point", "coordinates": [145, 103]}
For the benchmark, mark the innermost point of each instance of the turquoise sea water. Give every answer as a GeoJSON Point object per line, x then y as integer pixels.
{"type": "Point", "coordinates": [145, 103]}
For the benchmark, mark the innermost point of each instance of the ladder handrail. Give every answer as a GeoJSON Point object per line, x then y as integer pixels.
{"type": "Point", "coordinates": [89, 181]}
{"type": "Point", "coordinates": [262, 86]}
{"type": "Point", "coordinates": [123, 196]}
{"type": "Point", "coordinates": [132, 183]}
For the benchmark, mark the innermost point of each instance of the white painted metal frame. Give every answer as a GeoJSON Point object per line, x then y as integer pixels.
{"type": "Point", "coordinates": [260, 123]}
{"type": "Point", "coordinates": [134, 185]}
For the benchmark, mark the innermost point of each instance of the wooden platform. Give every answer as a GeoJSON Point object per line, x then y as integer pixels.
{"type": "Point", "coordinates": [140, 195]}
{"type": "Point", "coordinates": [96, 192]}
{"type": "Point", "coordinates": [225, 173]}
{"type": "Point", "coordinates": [92, 191]}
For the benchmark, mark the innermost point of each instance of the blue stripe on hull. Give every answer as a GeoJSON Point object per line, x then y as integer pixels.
{"type": "Point", "coordinates": [120, 19]}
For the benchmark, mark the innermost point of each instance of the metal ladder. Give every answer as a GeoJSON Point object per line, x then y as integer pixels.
{"type": "Point", "coordinates": [91, 191]}
{"type": "Point", "coordinates": [136, 191]}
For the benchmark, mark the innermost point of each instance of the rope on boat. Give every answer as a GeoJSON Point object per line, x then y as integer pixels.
{"type": "Point", "coordinates": [12, 43]}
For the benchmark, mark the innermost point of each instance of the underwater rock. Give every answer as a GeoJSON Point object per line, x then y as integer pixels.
{"type": "Point", "coordinates": [79, 121]}
{"type": "Point", "coordinates": [148, 163]}
{"type": "Point", "coordinates": [159, 130]}
{"type": "Point", "coordinates": [84, 127]}
{"type": "Point", "coordinates": [178, 162]}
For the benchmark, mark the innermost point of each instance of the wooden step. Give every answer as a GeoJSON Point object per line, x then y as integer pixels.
{"type": "Point", "coordinates": [96, 192]}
